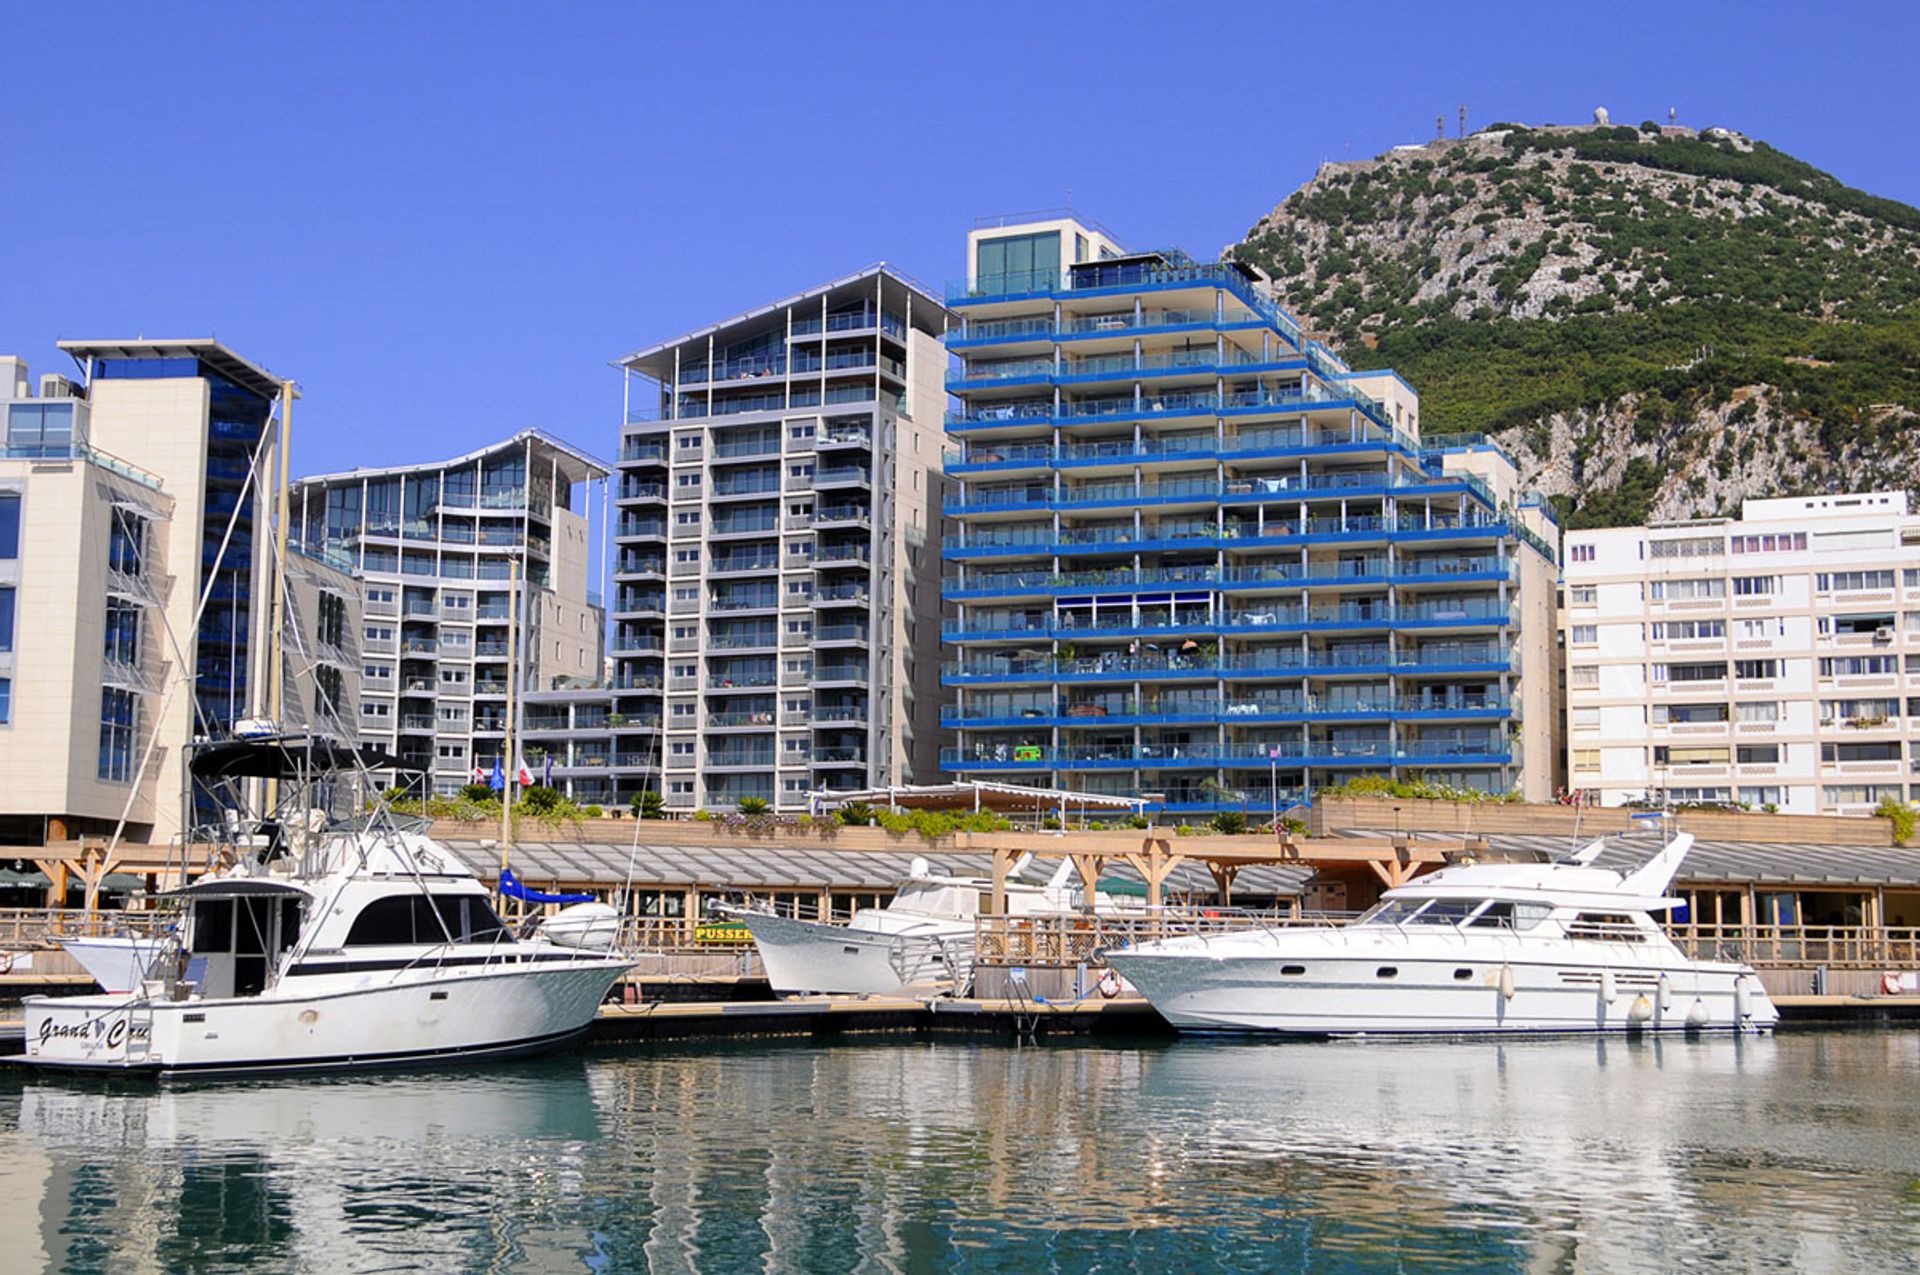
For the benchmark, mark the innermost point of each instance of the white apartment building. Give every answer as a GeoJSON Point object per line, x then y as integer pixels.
{"type": "Point", "coordinates": [777, 580]}
{"type": "Point", "coordinates": [1772, 661]}
{"type": "Point", "coordinates": [450, 552]}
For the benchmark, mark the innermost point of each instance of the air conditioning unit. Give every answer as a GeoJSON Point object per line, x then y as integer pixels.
{"type": "Point", "coordinates": [1883, 634]}
{"type": "Point", "coordinates": [54, 385]}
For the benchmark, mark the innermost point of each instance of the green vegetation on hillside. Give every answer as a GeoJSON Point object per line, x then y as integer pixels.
{"type": "Point", "coordinates": [1569, 271]}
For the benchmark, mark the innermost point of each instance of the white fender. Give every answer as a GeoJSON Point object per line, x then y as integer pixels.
{"type": "Point", "coordinates": [1506, 982]}
{"type": "Point", "coordinates": [1698, 1015]}
{"type": "Point", "coordinates": [1641, 1010]}
{"type": "Point", "coordinates": [1666, 994]}
{"type": "Point", "coordinates": [1609, 987]}
{"type": "Point", "coordinates": [1742, 999]}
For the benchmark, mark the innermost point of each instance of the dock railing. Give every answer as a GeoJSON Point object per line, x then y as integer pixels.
{"type": "Point", "coordinates": [1078, 938]}
{"type": "Point", "coordinates": [1788, 946]}
{"type": "Point", "coordinates": [43, 928]}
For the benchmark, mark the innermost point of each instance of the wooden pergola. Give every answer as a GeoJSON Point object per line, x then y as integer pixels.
{"type": "Point", "coordinates": [1388, 861]}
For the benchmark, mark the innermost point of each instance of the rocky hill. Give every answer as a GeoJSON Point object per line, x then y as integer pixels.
{"type": "Point", "coordinates": [1655, 322]}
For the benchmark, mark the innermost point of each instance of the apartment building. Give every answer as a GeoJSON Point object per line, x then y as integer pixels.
{"type": "Point", "coordinates": [776, 607]}
{"type": "Point", "coordinates": [133, 583]}
{"type": "Point", "coordinates": [1771, 660]}
{"type": "Point", "coordinates": [1200, 559]}
{"type": "Point", "coordinates": [448, 551]}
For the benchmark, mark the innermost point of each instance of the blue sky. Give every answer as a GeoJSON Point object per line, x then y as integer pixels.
{"type": "Point", "coordinates": [444, 220]}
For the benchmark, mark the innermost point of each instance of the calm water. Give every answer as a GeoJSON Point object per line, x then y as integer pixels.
{"type": "Point", "coordinates": [1796, 1153]}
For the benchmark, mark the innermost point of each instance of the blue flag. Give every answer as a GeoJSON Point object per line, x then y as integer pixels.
{"type": "Point", "coordinates": [499, 780]}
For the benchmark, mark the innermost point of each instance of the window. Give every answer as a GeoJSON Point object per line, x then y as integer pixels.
{"type": "Point", "coordinates": [1665, 755]}
{"type": "Point", "coordinates": [1580, 553]}
{"type": "Point", "coordinates": [377, 672]}
{"type": "Point", "coordinates": [126, 542]}
{"type": "Point", "coordinates": [453, 677]}
{"type": "Point", "coordinates": [1756, 668]}
{"type": "Point", "coordinates": [680, 748]}
{"type": "Point", "coordinates": [418, 918]}
{"type": "Point", "coordinates": [1687, 630]}
{"type": "Point", "coordinates": [1763, 796]}
{"type": "Point", "coordinates": [1585, 634]}
{"type": "Point", "coordinates": [332, 619]}
{"type": "Point", "coordinates": [1713, 671]}
{"type": "Point", "coordinates": [123, 632]}
{"type": "Point", "coordinates": [1860, 794]}
{"type": "Point", "coordinates": [1758, 711]}
{"type": "Point", "coordinates": [1763, 628]}
{"type": "Point", "coordinates": [1683, 590]}
{"type": "Point", "coordinates": [1583, 595]}
{"type": "Point", "coordinates": [327, 688]}
{"type": "Point", "coordinates": [1874, 750]}
{"type": "Point", "coordinates": [1018, 263]}
{"type": "Point", "coordinates": [6, 700]}
{"type": "Point", "coordinates": [40, 429]}
{"type": "Point", "coordinates": [1757, 754]}
{"type": "Point", "coordinates": [1859, 712]}
{"type": "Point", "coordinates": [1662, 714]}
{"type": "Point", "coordinates": [1586, 759]}
{"type": "Point", "coordinates": [1583, 675]}
{"type": "Point", "coordinates": [1690, 547]}
{"type": "Point", "coordinates": [1780, 542]}
{"type": "Point", "coordinates": [1752, 586]}
{"type": "Point", "coordinates": [375, 708]}
{"type": "Point", "coordinates": [9, 525]}
{"type": "Point", "coordinates": [119, 722]}
{"type": "Point", "coordinates": [1841, 581]}
{"type": "Point", "coordinates": [681, 787]}
{"type": "Point", "coordinates": [1858, 665]}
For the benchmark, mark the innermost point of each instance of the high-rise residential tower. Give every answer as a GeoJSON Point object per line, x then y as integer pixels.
{"type": "Point", "coordinates": [135, 582]}
{"type": "Point", "coordinates": [777, 599]}
{"type": "Point", "coordinates": [1768, 660]}
{"type": "Point", "coordinates": [450, 553]}
{"type": "Point", "coordinates": [1201, 560]}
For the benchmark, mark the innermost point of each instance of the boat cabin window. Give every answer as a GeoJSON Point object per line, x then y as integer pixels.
{"type": "Point", "coordinates": [407, 919]}
{"type": "Point", "coordinates": [234, 942]}
{"type": "Point", "coordinates": [940, 900]}
{"type": "Point", "coordinates": [1605, 927]}
{"type": "Point", "coordinates": [1445, 912]}
{"type": "Point", "coordinates": [1510, 916]}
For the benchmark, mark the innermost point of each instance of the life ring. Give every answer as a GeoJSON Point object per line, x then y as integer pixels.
{"type": "Point", "coordinates": [1890, 983]}
{"type": "Point", "coordinates": [1109, 984]}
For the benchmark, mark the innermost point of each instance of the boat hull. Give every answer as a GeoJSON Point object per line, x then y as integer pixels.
{"type": "Point", "coordinates": [810, 956]}
{"type": "Point", "coordinates": [327, 1021]}
{"type": "Point", "coordinates": [1339, 996]}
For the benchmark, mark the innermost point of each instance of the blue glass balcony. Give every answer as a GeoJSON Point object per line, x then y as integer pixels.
{"type": "Point", "coordinates": [1317, 755]}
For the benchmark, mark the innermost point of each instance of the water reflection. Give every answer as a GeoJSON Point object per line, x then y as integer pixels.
{"type": "Point", "coordinates": [1794, 1153]}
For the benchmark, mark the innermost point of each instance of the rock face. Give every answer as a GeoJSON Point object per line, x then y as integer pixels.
{"type": "Point", "coordinates": [1656, 322]}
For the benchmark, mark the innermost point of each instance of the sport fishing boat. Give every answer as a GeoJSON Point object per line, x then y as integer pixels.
{"type": "Point", "coordinates": [923, 937]}
{"type": "Point", "coordinates": [356, 944]}
{"type": "Point", "coordinates": [1512, 947]}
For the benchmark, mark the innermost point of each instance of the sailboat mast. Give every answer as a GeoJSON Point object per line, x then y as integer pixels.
{"type": "Point", "coordinates": [508, 768]}
{"type": "Point", "coordinates": [276, 667]}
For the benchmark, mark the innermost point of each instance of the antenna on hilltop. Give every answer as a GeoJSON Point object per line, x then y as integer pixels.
{"type": "Point", "coordinates": [1670, 116]}
{"type": "Point", "coordinates": [1439, 127]}
{"type": "Point", "coordinates": [1463, 119]}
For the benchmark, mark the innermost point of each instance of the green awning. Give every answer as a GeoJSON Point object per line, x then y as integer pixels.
{"type": "Point", "coordinates": [119, 882]}
{"type": "Point", "coordinates": [21, 880]}
{"type": "Point", "coordinates": [1121, 887]}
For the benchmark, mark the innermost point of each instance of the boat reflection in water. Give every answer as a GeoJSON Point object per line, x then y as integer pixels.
{"type": "Point", "coordinates": [1577, 1155]}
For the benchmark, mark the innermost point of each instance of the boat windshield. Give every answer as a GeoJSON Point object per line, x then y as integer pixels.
{"type": "Point", "coordinates": [1391, 912]}
{"type": "Point", "coordinates": [1444, 912]}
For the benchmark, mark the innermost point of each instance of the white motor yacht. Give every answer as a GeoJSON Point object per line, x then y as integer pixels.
{"type": "Point", "coordinates": [923, 937]}
{"type": "Point", "coordinates": [364, 945]}
{"type": "Point", "coordinates": [1471, 948]}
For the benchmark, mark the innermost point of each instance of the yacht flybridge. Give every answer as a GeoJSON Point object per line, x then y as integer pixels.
{"type": "Point", "coordinates": [1472, 948]}
{"type": "Point", "coordinates": [314, 945]}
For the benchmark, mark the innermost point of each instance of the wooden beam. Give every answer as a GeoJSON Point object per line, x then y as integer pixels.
{"type": "Point", "coordinates": [1002, 860]}
{"type": "Point", "coordinates": [1090, 866]}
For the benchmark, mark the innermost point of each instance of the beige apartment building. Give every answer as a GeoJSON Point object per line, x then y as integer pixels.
{"type": "Point", "coordinates": [1771, 660]}
{"type": "Point", "coordinates": [135, 582]}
